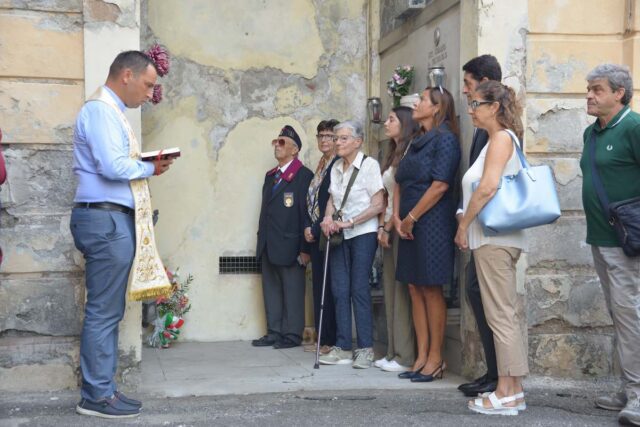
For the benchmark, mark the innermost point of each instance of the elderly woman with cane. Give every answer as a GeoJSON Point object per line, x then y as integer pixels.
{"type": "Point", "coordinates": [355, 201]}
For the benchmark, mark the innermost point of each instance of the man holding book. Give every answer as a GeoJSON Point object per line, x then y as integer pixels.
{"type": "Point", "coordinates": [103, 223]}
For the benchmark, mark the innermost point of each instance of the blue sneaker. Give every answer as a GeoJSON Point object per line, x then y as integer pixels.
{"type": "Point", "coordinates": [107, 408]}
{"type": "Point", "coordinates": [129, 401]}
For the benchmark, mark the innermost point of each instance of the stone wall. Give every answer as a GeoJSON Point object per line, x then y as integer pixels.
{"type": "Point", "coordinates": [54, 54]}
{"type": "Point", "coordinates": [569, 328]}
{"type": "Point", "coordinates": [240, 71]}
{"type": "Point", "coordinates": [41, 294]}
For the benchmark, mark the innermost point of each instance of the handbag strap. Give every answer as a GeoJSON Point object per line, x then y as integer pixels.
{"type": "Point", "coordinates": [352, 179]}
{"type": "Point", "coordinates": [514, 139]}
{"type": "Point", "coordinates": [595, 174]}
{"type": "Point", "coordinates": [595, 177]}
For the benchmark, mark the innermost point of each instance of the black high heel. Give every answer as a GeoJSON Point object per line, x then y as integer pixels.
{"type": "Point", "coordinates": [437, 374]}
{"type": "Point", "coordinates": [407, 375]}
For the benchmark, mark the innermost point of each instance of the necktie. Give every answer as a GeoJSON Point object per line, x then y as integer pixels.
{"type": "Point", "coordinates": [276, 180]}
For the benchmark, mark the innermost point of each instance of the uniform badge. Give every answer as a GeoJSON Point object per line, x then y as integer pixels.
{"type": "Point", "coordinates": [288, 200]}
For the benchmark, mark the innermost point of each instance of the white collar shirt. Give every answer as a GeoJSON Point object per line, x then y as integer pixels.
{"type": "Point", "coordinates": [366, 185]}
{"type": "Point", "coordinates": [283, 169]}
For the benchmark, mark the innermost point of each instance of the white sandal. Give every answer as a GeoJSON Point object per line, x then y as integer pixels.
{"type": "Point", "coordinates": [520, 406]}
{"type": "Point", "coordinates": [496, 405]}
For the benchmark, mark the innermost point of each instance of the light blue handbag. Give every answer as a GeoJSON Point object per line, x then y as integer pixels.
{"type": "Point", "coordinates": [526, 199]}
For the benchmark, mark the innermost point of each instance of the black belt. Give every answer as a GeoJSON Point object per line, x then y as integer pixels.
{"type": "Point", "coordinates": [105, 206]}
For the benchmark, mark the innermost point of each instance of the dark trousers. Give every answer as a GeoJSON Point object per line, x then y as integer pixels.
{"type": "Point", "coordinates": [350, 268]}
{"type": "Point", "coordinates": [329, 313]}
{"type": "Point", "coordinates": [486, 335]}
{"type": "Point", "coordinates": [283, 293]}
{"type": "Point", "coordinates": [107, 241]}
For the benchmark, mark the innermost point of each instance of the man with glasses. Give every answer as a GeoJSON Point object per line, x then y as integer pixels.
{"type": "Point", "coordinates": [476, 71]}
{"type": "Point", "coordinates": [281, 244]}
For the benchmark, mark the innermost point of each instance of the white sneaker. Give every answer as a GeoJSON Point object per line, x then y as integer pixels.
{"type": "Point", "coordinates": [631, 412]}
{"type": "Point", "coordinates": [364, 358]}
{"type": "Point", "coordinates": [336, 356]}
{"type": "Point", "coordinates": [380, 362]}
{"type": "Point", "coordinates": [394, 366]}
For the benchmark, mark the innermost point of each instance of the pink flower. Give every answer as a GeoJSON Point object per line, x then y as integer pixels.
{"type": "Point", "coordinates": [160, 57]}
{"type": "Point", "coordinates": [157, 96]}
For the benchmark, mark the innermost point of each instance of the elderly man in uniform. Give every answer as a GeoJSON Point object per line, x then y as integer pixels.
{"type": "Point", "coordinates": [102, 224]}
{"type": "Point", "coordinates": [281, 243]}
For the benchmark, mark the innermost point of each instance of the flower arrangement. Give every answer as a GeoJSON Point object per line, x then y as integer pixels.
{"type": "Point", "coordinates": [170, 311]}
{"type": "Point", "coordinates": [160, 57]}
{"type": "Point", "coordinates": [400, 83]}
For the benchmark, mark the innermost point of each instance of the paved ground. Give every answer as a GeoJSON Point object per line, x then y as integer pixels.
{"type": "Point", "coordinates": [229, 384]}
{"type": "Point", "coordinates": [236, 367]}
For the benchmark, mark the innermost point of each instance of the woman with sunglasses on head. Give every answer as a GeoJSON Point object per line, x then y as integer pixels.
{"type": "Point", "coordinates": [424, 218]}
{"type": "Point", "coordinates": [494, 108]}
{"type": "Point", "coordinates": [400, 128]}
{"type": "Point", "coordinates": [317, 198]}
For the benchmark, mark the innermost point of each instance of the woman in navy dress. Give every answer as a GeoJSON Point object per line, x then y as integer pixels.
{"type": "Point", "coordinates": [425, 220]}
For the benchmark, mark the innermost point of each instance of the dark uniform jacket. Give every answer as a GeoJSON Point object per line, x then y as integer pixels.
{"type": "Point", "coordinates": [480, 139]}
{"type": "Point", "coordinates": [323, 198]}
{"type": "Point", "coordinates": [283, 215]}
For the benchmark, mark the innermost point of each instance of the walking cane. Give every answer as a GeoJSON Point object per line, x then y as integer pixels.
{"type": "Point", "coordinates": [324, 284]}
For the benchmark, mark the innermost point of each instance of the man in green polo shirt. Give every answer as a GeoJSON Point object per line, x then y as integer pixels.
{"type": "Point", "coordinates": [617, 158]}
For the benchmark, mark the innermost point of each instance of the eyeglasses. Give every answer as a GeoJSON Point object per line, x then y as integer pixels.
{"type": "Point", "coordinates": [475, 104]}
{"type": "Point", "coordinates": [343, 138]}
{"type": "Point", "coordinates": [323, 136]}
{"type": "Point", "coordinates": [279, 141]}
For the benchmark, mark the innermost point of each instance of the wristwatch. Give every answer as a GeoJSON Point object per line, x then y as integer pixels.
{"type": "Point", "coordinates": [353, 224]}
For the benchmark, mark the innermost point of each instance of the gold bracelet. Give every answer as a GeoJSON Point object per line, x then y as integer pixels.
{"type": "Point", "coordinates": [413, 218]}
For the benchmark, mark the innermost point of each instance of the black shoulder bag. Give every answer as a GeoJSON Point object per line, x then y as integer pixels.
{"type": "Point", "coordinates": [337, 238]}
{"type": "Point", "coordinates": [623, 216]}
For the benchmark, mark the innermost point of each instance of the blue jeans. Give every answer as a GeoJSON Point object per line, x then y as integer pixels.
{"type": "Point", "coordinates": [350, 268]}
{"type": "Point", "coordinates": [107, 241]}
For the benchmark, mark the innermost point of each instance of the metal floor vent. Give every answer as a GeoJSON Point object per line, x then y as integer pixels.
{"type": "Point", "coordinates": [239, 265]}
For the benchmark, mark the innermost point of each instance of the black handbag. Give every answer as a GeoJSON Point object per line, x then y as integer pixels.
{"type": "Point", "coordinates": [623, 216]}
{"type": "Point", "coordinates": [336, 239]}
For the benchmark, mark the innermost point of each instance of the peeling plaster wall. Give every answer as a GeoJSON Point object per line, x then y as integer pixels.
{"type": "Point", "coordinates": [240, 71]}
{"type": "Point", "coordinates": [570, 331]}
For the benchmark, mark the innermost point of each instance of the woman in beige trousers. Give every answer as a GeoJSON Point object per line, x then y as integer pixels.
{"type": "Point", "coordinates": [494, 108]}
